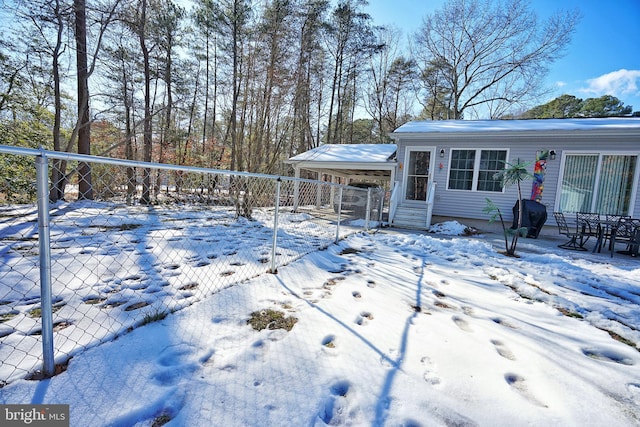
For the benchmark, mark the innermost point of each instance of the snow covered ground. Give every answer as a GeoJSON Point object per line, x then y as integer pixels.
{"type": "Point", "coordinates": [114, 266]}
{"type": "Point", "coordinates": [393, 328]}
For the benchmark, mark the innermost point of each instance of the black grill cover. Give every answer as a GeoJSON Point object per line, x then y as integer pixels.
{"type": "Point", "coordinates": [534, 215]}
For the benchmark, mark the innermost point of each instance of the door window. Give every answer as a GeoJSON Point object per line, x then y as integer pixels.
{"type": "Point", "coordinates": [418, 175]}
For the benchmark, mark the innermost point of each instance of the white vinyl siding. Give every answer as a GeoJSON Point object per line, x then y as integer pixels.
{"type": "Point", "coordinates": [474, 170]}
{"type": "Point", "coordinates": [468, 204]}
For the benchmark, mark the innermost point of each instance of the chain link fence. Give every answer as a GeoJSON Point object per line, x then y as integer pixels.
{"type": "Point", "coordinates": [153, 239]}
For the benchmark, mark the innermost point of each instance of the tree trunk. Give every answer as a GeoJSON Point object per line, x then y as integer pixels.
{"type": "Point", "coordinates": [58, 180]}
{"type": "Point", "coordinates": [85, 189]}
{"type": "Point", "coordinates": [146, 154]}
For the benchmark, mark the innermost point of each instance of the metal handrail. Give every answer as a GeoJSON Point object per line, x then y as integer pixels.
{"type": "Point", "coordinates": [430, 198]}
{"type": "Point", "coordinates": [86, 158]}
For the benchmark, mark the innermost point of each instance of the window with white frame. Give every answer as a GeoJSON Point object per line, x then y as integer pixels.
{"type": "Point", "coordinates": [598, 182]}
{"type": "Point", "coordinates": [474, 170]}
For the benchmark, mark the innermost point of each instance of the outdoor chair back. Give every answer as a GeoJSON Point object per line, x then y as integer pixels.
{"type": "Point", "coordinates": [627, 231]}
{"type": "Point", "coordinates": [588, 223]}
{"type": "Point", "coordinates": [612, 220]}
{"type": "Point", "coordinates": [576, 239]}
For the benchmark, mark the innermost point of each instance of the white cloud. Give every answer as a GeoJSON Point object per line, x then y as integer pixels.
{"type": "Point", "coordinates": [616, 83]}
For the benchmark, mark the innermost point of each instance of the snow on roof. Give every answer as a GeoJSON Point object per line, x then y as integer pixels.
{"type": "Point", "coordinates": [356, 153]}
{"type": "Point", "coordinates": [518, 125]}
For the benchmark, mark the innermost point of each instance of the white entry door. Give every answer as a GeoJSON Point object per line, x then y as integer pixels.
{"type": "Point", "coordinates": [418, 165]}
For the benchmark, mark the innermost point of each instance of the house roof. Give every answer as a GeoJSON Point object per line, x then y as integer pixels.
{"type": "Point", "coordinates": [360, 153]}
{"type": "Point", "coordinates": [480, 126]}
{"type": "Point", "coordinates": [360, 161]}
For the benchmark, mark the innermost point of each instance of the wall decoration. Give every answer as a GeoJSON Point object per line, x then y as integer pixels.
{"type": "Point", "coordinates": [539, 171]}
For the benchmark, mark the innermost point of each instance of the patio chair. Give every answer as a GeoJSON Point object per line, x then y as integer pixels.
{"type": "Point", "coordinates": [615, 217]}
{"type": "Point", "coordinates": [588, 223]}
{"type": "Point", "coordinates": [611, 221]}
{"type": "Point", "coordinates": [626, 231]}
{"type": "Point", "coordinates": [635, 242]}
{"type": "Point", "coordinates": [576, 238]}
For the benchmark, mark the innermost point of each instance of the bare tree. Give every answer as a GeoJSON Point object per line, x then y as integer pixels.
{"type": "Point", "coordinates": [47, 23]}
{"type": "Point", "coordinates": [166, 24]}
{"type": "Point", "coordinates": [390, 93]}
{"type": "Point", "coordinates": [490, 51]}
{"type": "Point", "coordinates": [205, 19]}
{"type": "Point", "coordinates": [232, 18]}
{"type": "Point", "coordinates": [350, 42]}
{"type": "Point", "coordinates": [437, 102]}
{"type": "Point", "coordinates": [139, 25]}
{"type": "Point", "coordinates": [122, 63]}
{"type": "Point", "coordinates": [307, 91]}
{"type": "Point", "coordinates": [272, 68]}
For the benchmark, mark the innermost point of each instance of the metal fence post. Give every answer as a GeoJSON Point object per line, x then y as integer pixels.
{"type": "Point", "coordinates": [367, 215]}
{"type": "Point", "coordinates": [42, 177]}
{"type": "Point", "coordinates": [339, 214]}
{"type": "Point", "coordinates": [274, 245]}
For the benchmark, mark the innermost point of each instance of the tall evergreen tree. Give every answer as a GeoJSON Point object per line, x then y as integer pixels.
{"type": "Point", "coordinates": [569, 106]}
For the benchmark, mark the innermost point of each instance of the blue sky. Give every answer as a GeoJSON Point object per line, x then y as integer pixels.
{"type": "Point", "coordinates": [603, 58]}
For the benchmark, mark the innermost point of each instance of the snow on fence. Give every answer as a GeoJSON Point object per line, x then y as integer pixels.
{"type": "Point", "coordinates": [74, 274]}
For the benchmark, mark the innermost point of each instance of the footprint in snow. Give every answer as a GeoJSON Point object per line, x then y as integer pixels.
{"type": "Point", "coordinates": [518, 384]}
{"type": "Point", "coordinates": [503, 350]}
{"type": "Point", "coordinates": [438, 294]}
{"type": "Point", "coordinates": [363, 318]}
{"type": "Point", "coordinates": [461, 323]}
{"type": "Point", "coordinates": [329, 341]}
{"type": "Point", "coordinates": [276, 335]}
{"type": "Point", "coordinates": [338, 408]}
{"type": "Point", "coordinates": [607, 356]}
{"type": "Point", "coordinates": [634, 389]}
{"type": "Point", "coordinates": [430, 374]}
{"type": "Point", "coordinates": [259, 349]}
{"type": "Point", "coordinates": [500, 321]}
{"type": "Point", "coordinates": [174, 364]}
{"type": "Point", "coordinates": [332, 282]}
{"type": "Point", "coordinates": [468, 311]}
{"type": "Point", "coordinates": [329, 345]}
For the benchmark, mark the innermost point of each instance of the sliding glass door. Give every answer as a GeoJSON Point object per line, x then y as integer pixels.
{"type": "Point", "coordinates": [616, 184]}
{"type": "Point", "coordinates": [601, 183]}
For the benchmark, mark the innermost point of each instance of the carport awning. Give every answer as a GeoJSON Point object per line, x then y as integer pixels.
{"type": "Point", "coordinates": [352, 161]}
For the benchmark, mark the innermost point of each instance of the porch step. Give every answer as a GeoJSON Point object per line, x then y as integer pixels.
{"type": "Point", "coordinates": [411, 218]}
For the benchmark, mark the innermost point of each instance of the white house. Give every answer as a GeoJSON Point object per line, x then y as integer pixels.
{"type": "Point", "coordinates": [446, 169]}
